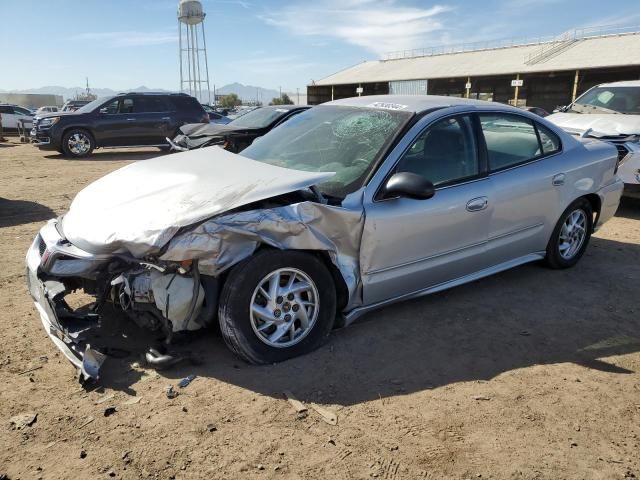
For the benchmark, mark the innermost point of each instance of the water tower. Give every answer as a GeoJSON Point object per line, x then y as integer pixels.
{"type": "Point", "coordinates": [194, 68]}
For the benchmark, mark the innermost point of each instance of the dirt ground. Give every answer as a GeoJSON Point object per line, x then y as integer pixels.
{"type": "Point", "coordinates": [530, 374]}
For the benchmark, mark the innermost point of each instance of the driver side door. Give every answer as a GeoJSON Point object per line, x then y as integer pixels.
{"type": "Point", "coordinates": [410, 245]}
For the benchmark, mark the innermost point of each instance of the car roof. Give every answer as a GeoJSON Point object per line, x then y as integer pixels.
{"type": "Point", "coordinates": [414, 103]}
{"type": "Point", "coordinates": [627, 83]}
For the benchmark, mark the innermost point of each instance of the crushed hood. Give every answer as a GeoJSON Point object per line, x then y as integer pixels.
{"type": "Point", "coordinates": [602, 125]}
{"type": "Point", "coordinates": [140, 207]}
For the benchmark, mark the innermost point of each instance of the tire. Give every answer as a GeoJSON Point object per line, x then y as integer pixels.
{"type": "Point", "coordinates": [254, 337]}
{"type": "Point", "coordinates": [567, 245]}
{"type": "Point", "coordinates": [78, 143]}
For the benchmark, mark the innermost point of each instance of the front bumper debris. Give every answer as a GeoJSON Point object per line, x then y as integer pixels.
{"type": "Point", "coordinates": [67, 329]}
{"type": "Point", "coordinates": [66, 334]}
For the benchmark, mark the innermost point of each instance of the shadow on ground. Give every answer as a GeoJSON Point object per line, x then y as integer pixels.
{"type": "Point", "coordinates": [520, 318]}
{"type": "Point", "coordinates": [111, 155]}
{"type": "Point", "coordinates": [629, 208]}
{"type": "Point", "coordinates": [19, 212]}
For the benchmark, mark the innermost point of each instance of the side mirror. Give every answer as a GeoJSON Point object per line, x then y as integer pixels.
{"type": "Point", "coordinates": [411, 185]}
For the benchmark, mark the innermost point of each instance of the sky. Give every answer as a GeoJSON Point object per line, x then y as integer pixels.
{"type": "Point", "coordinates": [123, 44]}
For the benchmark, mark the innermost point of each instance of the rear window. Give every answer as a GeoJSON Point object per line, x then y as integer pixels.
{"type": "Point", "coordinates": [183, 102]}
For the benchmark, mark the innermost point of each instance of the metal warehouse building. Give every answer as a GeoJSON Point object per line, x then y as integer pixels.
{"type": "Point", "coordinates": [543, 73]}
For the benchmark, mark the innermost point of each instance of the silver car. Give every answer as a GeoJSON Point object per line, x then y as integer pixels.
{"type": "Point", "coordinates": [350, 206]}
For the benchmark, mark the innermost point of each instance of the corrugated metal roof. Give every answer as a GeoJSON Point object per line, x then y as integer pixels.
{"type": "Point", "coordinates": [596, 52]}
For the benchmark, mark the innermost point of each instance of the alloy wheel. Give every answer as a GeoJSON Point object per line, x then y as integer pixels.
{"type": "Point", "coordinates": [284, 307]}
{"type": "Point", "coordinates": [79, 143]}
{"type": "Point", "coordinates": [572, 234]}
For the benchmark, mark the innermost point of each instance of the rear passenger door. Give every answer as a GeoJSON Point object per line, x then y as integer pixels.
{"type": "Point", "coordinates": [153, 119]}
{"type": "Point", "coordinates": [526, 174]}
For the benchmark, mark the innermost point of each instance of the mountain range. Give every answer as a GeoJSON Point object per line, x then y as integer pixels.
{"type": "Point", "coordinates": [247, 93]}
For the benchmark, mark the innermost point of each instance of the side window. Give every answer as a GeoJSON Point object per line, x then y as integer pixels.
{"type": "Point", "coordinates": [111, 107]}
{"type": "Point", "coordinates": [6, 109]}
{"type": "Point", "coordinates": [549, 140]}
{"type": "Point", "coordinates": [126, 106]}
{"type": "Point", "coordinates": [510, 140]}
{"type": "Point", "coordinates": [444, 153]}
{"type": "Point", "coordinates": [150, 105]}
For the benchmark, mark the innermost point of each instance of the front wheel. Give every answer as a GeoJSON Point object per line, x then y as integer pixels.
{"type": "Point", "coordinates": [277, 305]}
{"type": "Point", "coordinates": [571, 235]}
{"type": "Point", "coordinates": [78, 143]}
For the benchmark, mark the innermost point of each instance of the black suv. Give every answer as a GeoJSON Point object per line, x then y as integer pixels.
{"type": "Point", "coordinates": [124, 120]}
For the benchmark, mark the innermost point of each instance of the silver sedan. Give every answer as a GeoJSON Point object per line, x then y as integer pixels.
{"type": "Point", "coordinates": [349, 206]}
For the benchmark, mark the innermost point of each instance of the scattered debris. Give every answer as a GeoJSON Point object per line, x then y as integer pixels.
{"type": "Point", "coordinates": [295, 403]}
{"type": "Point", "coordinates": [573, 444]}
{"type": "Point", "coordinates": [105, 398]}
{"type": "Point", "coordinates": [260, 466]}
{"type": "Point", "coordinates": [133, 401]}
{"type": "Point", "coordinates": [327, 415]}
{"type": "Point", "coordinates": [83, 454]}
{"type": "Point", "coordinates": [126, 457]}
{"type": "Point", "coordinates": [23, 420]}
{"type": "Point", "coordinates": [481, 397]}
{"type": "Point", "coordinates": [89, 420]}
{"type": "Point", "coordinates": [525, 333]}
{"type": "Point", "coordinates": [185, 409]}
{"type": "Point", "coordinates": [212, 428]}
{"type": "Point", "coordinates": [109, 411]}
{"type": "Point", "coordinates": [186, 381]}
{"type": "Point", "coordinates": [171, 393]}
{"type": "Point", "coordinates": [30, 370]}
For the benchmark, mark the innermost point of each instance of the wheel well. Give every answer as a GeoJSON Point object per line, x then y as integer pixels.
{"type": "Point", "coordinates": [66, 130]}
{"type": "Point", "coordinates": [596, 205]}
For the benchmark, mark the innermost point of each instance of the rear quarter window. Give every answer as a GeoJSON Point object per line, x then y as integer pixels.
{"type": "Point", "coordinates": [549, 140]}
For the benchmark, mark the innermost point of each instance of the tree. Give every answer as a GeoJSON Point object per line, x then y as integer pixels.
{"type": "Point", "coordinates": [283, 100]}
{"type": "Point", "coordinates": [230, 101]}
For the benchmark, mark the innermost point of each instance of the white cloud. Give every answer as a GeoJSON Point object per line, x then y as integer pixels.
{"type": "Point", "coordinates": [129, 39]}
{"type": "Point", "coordinates": [378, 25]}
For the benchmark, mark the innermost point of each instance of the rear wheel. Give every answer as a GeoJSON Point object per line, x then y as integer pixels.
{"type": "Point", "coordinates": [571, 235]}
{"type": "Point", "coordinates": [78, 143]}
{"type": "Point", "coordinates": [277, 305]}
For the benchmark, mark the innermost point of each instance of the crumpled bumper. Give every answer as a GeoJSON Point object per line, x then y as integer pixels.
{"type": "Point", "coordinates": [65, 328]}
{"type": "Point", "coordinates": [629, 170]}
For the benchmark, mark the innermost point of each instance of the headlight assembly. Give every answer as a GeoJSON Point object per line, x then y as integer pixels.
{"type": "Point", "coordinates": [47, 122]}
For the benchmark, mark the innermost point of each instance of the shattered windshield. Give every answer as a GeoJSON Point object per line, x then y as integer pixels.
{"type": "Point", "coordinates": [259, 118]}
{"type": "Point", "coordinates": [331, 138]}
{"type": "Point", "coordinates": [609, 100]}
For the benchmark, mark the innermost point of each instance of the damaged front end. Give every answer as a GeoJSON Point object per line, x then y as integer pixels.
{"type": "Point", "coordinates": [162, 298]}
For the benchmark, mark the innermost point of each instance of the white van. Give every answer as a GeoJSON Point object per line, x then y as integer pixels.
{"type": "Point", "coordinates": [11, 114]}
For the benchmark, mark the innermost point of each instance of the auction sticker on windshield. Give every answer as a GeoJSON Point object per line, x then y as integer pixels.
{"type": "Point", "coordinates": [388, 106]}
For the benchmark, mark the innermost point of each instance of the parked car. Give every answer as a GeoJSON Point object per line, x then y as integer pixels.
{"type": "Point", "coordinates": [541, 112]}
{"type": "Point", "coordinates": [12, 114]}
{"type": "Point", "coordinates": [215, 117]}
{"type": "Point", "coordinates": [347, 207]}
{"type": "Point", "coordinates": [239, 133]}
{"type": "Point", "coordinates": [73, 105]}
{"type": "Point", "coordinates": [609, 112]}
{"type": "Point", "coordinates": [124, 120]}
{"type": "Point", "coordinates": [49, 109]}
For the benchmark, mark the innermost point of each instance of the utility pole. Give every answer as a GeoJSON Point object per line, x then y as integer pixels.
{"type": "Point", "coordinates": [298, 91]}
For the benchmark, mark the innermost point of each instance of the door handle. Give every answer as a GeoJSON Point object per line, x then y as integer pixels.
{"type": "Point", "coordinates": [477, 204]}
{"type": "Point", "coordinates": [166, 118]}
{"type": "Point", "coordinates": [558, 179]}
{"type": "Point", "coordinates": [131, 119]}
